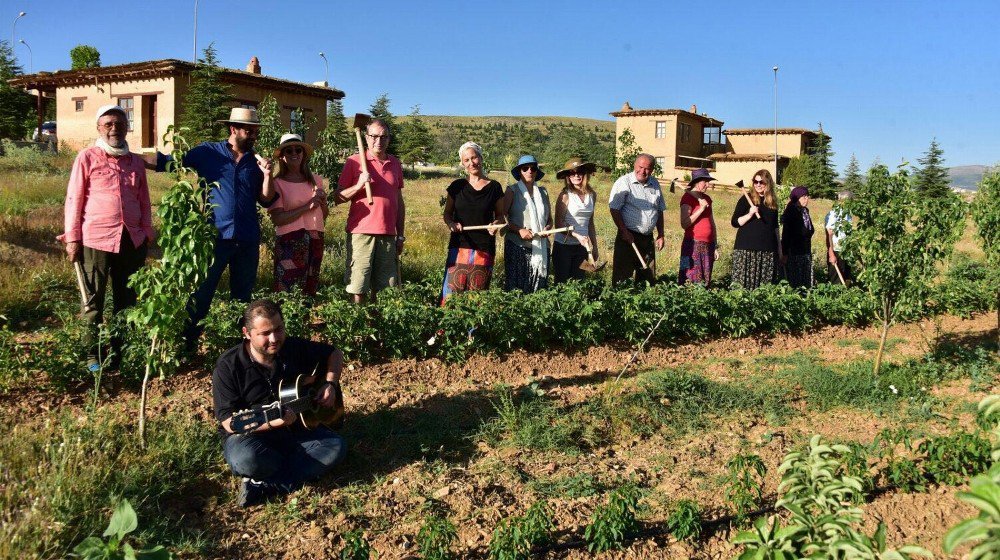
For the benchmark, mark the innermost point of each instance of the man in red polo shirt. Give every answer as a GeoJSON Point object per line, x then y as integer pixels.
{"type": "Point", "coordinates": [374, 231]}
{"type": "Point", "coordinates": [108, 224]}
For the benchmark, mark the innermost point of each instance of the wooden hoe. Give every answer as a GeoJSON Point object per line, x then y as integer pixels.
{"type": "Point", "coordinates": [361, 120]}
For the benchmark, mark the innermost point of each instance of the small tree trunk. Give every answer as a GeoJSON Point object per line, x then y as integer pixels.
{"type": "Point", "coordinates": [142, 396]}
{"type": "Point", "coordinates": [886, 320]}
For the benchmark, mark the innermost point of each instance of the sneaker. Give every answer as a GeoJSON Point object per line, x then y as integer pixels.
{"type": "Point", "coordinates": [253, 492]}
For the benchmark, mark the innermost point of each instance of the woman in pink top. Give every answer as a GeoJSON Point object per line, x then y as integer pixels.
{"type": "Point", "coordinates": [298, 215]}
{"type": "Point", "coordinates": [698, 249]}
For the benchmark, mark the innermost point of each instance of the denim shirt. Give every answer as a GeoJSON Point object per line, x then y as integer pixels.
{"type": "Point", "coordinates": [240, 185]}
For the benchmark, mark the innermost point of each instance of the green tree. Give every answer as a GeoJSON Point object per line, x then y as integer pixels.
{"type": "Point", "coordinates": [852, 175]}
{"type": "Point", "coordinates": [931, 179]}
{"type": "Point", "coordinates": [899, 239]}
{"type": "Point", "coordinates": [625, 153]}
{"type": "Point", "coordinates": [271, 127]}
{"type": "Point", "coordinates": [414, 139]}
{"type": "Point", "coordinates": [986, 214]}
{"type": "Point", "coordinates": [380, 110]}
{"type": "Point", "coordinates": [84, 56]}
{"type": "Point", "coordinates": [335, 143]}
{"type": "Point", "coordinates": [15, 103]}
{"type": "Point", "coordinates": [824, 183]}
{"type": "Point", "coordinates": [207, 101]}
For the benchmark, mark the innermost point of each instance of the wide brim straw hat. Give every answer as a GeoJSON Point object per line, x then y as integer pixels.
{"type": "Point", "coordinates": [242, 115]}
{"type": "Point", "coordinates": [288, 140]}
{"type": "Point", "coordinates": [576, 164]}
{"type": "Point", "coordinates": [526, 160]}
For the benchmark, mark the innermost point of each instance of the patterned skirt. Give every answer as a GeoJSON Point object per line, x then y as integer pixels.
{"type": "Point", "coordinates": [697, 258]}
{"type": "Point", "coordinates": [518, 272]}
{"type": "Point", "coordinates": [751, 269]}
{"type": "Point", "coordinates": [466, 269]}
{"type": "Point", "coordinates": [297, 259]}
{"type": "Point", "coordinates": [799, 271]}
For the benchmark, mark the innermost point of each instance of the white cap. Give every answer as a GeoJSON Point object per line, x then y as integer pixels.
{"type": "Point", "coordinates": [105, 109]}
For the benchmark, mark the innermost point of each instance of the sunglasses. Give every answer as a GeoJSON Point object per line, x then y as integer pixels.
{"type": "Point", "coordinates": [292, 150]}
{"type": "Point", "coordinates": [531, 168]}
{"type": "Point", "coordinates": [756, 182]}
{"type": "Point", "coordinates": [577, 172]}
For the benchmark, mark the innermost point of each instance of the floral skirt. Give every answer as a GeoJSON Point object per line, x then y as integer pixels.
{"type": "Point", "coordinates": [799, 271]}
{"type": "Point", "coordinates": [297, 259]}
{"type": "Point", "coordinates": [751, 269]}
{"type": "Point", "coordinates": [697, 258]}
{"type": "Point", "coordinates": [466, 269]}
{"type": "Point", "coordinates": [518, 272]}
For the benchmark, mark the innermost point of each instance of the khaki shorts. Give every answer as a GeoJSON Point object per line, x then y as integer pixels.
{"type": "Point", "coordinates": [371, 263]}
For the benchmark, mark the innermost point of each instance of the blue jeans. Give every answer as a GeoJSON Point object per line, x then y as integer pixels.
{"type": "Point", "coordinates": [284, 458]}
{"type": "Point", "coordinates": [242, 258]}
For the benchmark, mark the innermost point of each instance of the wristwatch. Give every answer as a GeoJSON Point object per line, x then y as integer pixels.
{"type": "Point", "coordinates": [400, 238]}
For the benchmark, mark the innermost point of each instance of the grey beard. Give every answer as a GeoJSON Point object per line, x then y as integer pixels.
{"type": "Point", "coordinates": [111, 150]}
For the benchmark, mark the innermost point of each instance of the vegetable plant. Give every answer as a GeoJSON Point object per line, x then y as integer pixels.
{"type": "Point", "coordinates": [514, 537]}
{"type": "Point", "coordinates": [614, 522]}
{"type": "Point", "coordinates": [123, 521]}
{"type": "Point", "coordinates": [435, 537]}
{"type": "Point", "coordinates": [744, 484]}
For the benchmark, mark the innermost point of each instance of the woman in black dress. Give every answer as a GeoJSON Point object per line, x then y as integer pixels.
{"type": "Point", "coordinates": [476, 200]}
{"type": "Point", "coordinates": [796, 239]}
{"type": "Point", "coordinates": [757, 252]}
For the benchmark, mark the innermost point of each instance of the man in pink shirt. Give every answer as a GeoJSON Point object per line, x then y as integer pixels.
{"type": "Point", "coordinates": [108, 224]}
{"type": "Point", "coordinates": [374, 231]}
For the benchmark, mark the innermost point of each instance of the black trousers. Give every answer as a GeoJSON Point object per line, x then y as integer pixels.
{"type": "Point", "coordinates": [566, 261]}
{"type": "Point", "coordinates": [626, 265]}
{"type": "Point", "coordinates": [99, 269]}
{"type": "Point", "coordinates": [844, 267]}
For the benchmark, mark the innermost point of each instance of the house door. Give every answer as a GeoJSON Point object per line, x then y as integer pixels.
{"type": "Point", "coordinates": [149, 134]}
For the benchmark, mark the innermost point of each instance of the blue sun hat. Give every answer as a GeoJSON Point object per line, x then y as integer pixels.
{"type": "Point", "coordinates": [526, 160]}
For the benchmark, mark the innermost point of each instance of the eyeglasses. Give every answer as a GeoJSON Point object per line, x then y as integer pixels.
{"type": "Point", "coordinates": [378, 136]}
{"type": "Point", "coordinates": [113, 125]}
{"type": "Point", "coordinates": [292, 150]}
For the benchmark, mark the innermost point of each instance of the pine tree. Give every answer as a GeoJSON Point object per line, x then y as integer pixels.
{"type": "Point", "coordinates": [852, 175]}
{"type": "Point", "coordinates": [414, 139]}
{"type": "Point", "coordinates": [84, 56]}
{"type": "Point", "coordinates": [207, 101]}
{"type": "Point", "coordinates": [380, 110]}
{"type": "Point", "coordinates": [15, 104]}
{"type": "Point", "coordinates": [824, 182]}
{"type": "Point", "coordinates": [931, 179]}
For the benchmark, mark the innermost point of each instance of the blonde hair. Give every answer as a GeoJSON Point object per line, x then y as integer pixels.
{"type": "Point", "coordinates": [586, 184]}
{"type": "Point", "coordinates": [475, 147]}
{"type": "Point", "coordinates": [280, 169]}
{"type": "Point", "coordinates": [770, 200]}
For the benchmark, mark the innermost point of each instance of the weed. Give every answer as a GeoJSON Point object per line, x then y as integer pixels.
{"type": "Point", "coordinates": [685, 520]}
{"type": "Point", "coordinates": [355, 546]}
{"type": "Point", "coordinates": [436, 536]}
{"type": "Point", "coordinates": [744, 484]}
{"type": "Point", "coordinates": [579, 485]}
{"type": "Point", "coordinates": [123, 521]}
{"type": "Point", "coordinates": [535, 423]}
{"type": "Point", "coordinates": [615, 521]}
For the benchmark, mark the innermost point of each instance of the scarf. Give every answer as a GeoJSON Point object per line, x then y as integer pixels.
{"type": "Point", "coordinates": [539, 262]}
{"type": "Point", "coordinates": [806, 218]}
{"type": "Point", "coordinates": [111, 150]}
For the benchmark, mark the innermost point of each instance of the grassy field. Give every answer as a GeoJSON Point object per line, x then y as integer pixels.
{"type": "Point", "coordinates": [475, 443]}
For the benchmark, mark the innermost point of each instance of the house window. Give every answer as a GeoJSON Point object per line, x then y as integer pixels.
{"type": "Point", "coordinates": [78, 104]}
{"type": "Point", "coordinates": [713, 135]}
{"type": "Point", "coordinates": [128, 104]}
{"type": "Point", "coordinates": [661, 162]}
{"type": "Point", "coordinates": [661, 129]}
{"type": "Point", "coordinates": [685, 133]}
{"type": "Point", "coordinates": [295, 121]}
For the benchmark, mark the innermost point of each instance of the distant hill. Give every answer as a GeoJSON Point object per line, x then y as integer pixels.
{"type": "Point", "coordinates": [966, 176]}
{"type": "Point", "coordinates": [542, 122]}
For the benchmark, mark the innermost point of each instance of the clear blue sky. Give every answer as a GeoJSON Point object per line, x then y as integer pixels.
{"type": "Point", "coordinates": [884, 78]}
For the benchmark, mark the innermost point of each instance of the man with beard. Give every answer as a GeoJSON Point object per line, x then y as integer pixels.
{"type": "Point", "coordinates": [278, 456]}
{"type": "Point", "coordinates": [233, 165]}
{"type": "Point", "coordinates": [108, 225]}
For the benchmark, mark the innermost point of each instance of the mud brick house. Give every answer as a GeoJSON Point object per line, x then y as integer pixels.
{"type": "Point", "coordinates": [152, 94]}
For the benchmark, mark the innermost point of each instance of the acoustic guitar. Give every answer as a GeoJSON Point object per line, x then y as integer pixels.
{"type": "Point", "coordinates": [300, 398]}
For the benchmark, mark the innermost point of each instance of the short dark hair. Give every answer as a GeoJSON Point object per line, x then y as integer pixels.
{"type": "Point", "coordinates": [260, 308]}
{"type": "Point", "coordinates": [381, 123]}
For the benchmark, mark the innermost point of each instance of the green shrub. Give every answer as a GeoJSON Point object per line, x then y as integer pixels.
{"type": "Point", "coordinates": [744, 484]}
{"type": "Point", "coordinates": [514, 537]}
{"type": "Point", "coordinates": [436, 537]}
{"type": "Point", "coordinates": [685, 520]}
{"type": "Point", "coordinates": [615, 522]}
{"type": "Point", "coordinates": [955, 458]}
{"type": "Point", "coordinates": [348, 326]}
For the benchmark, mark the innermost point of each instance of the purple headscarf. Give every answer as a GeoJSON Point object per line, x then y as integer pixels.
{"type": "Point", "coordinates": [793, 200]}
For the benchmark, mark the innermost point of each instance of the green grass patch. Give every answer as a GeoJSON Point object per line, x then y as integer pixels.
{"type": "Point", "coordinates": [579, 485]}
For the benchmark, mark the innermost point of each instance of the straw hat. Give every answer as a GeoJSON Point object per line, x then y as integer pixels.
{"type": "Point", "coordinates": [242, 115]}
{"type": "Point", "coordinates": [576, 164]}
{"type": "Point", "coordinates": [292, 140]}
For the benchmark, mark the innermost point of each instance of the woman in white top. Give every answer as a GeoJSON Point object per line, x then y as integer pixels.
{"type": "Point", "coordinates": [298, 214]}
{"type": "Point", "coordinates": [575, 207]}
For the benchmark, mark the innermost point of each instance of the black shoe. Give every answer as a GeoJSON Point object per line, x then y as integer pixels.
{"type": "Point", "coordinates": [253, 492]}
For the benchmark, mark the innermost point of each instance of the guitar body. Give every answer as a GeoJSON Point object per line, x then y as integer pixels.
{"type": "Point", "coordinates": [299, 397]}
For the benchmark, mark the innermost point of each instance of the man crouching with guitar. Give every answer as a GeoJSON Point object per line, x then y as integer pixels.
{"type": "Point", "coordinates": [264, 440]}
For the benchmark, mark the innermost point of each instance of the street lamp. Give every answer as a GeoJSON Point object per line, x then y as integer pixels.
{"type": "Point", "coordinates": [30, 57]}
{"type": "Point", "coordinates": [12, 26]}
{"type": "Point", "coordinates": [775, 124]}
{"type": "Point", "coordinates": [326, 62]}
{"type": "Point", "coordinates": [194, 49]}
